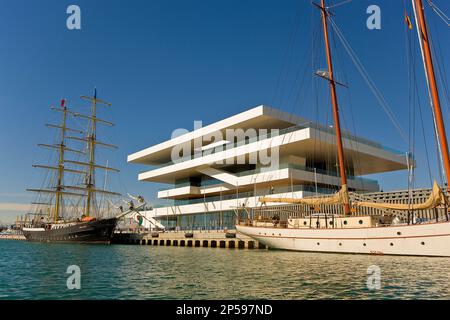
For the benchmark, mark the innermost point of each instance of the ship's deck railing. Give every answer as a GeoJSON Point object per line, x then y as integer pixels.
{"type": "Point", "coordinates": [291, 211]}
{"type": "Point", "coordinates": [268, 223]}
{"type": "Point", "coordinates": [272, 222]}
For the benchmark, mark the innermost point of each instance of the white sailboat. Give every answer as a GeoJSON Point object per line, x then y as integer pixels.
{"type": "Point", "coordinates": [352, 231]}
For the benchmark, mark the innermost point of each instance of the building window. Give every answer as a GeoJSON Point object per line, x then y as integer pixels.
{"type": "Point", "coordinates": [201, 221]}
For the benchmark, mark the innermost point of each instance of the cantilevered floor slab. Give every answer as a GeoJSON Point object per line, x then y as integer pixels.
{"type": "Point", "coordinates": [366, 157]}
{"type": "Point", "coordinates": [261, 117]}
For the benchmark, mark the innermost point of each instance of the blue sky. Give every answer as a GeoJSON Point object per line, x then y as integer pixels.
{"type": "Point", "coordinates": [164, 64]}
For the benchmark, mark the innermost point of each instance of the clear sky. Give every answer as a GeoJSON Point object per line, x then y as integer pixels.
{"type": "Point", "coordinates": [165, 63]}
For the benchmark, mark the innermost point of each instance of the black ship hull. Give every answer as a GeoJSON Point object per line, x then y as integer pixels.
{"type": "Point", "coordinates": [98, 231]}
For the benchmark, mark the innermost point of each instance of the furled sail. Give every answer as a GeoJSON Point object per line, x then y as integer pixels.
{"type": "Point", "coordinates": [437, 198]}
{"type": "Point", "coordinates": [340, 197]}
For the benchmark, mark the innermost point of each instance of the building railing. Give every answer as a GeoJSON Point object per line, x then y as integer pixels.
{"type": "Point", "coordinates": [309, 169]}
{"type": "Point", "coordinates": [207, 183]}
{"type": "Point", "coordinates": [244, 195]}
{"type": "Point", "coordinates": [309, 124]}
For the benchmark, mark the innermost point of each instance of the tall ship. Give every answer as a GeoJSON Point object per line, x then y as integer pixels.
{"type": "Point", "coordinates": [72, 206]}
{"type": "Point", "coordinates": [346, 222]}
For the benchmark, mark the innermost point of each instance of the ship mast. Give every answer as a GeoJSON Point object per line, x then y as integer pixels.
{"type": "Point", "coordinates": [88, 190]}
{"type": "Point", "coordinates": [334, 101]}
{"type": "Point", "coordinates": [91, 140]}
{"type": "Point", "coordinates": [59, 186]}
{"type": "Point", "coordinates": [432, 85]}
{"type": "Point", "coordinates": [59, 189]}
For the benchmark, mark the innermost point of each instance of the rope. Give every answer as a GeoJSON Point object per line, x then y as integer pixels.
{"type": "Point", "coordinates": [441, 79]}
{"type": "Point", "coordinates": [339, 4]}
{"type": "Point", "coordinates": [436, 134]}
{"type": "Point", "coordinates": [378, 95]}
{"type": "Point", "coordinates": [353, 144]}
{"type": "Point", "coordinates": [439, 12]}
{"type": "Point", "coordinates": [287, 58]}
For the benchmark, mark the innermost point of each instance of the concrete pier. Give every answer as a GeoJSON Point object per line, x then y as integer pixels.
{"type": "Point", "coordinates": [199, 239]}
{"type": "Point", "coordinates": [12, 237]}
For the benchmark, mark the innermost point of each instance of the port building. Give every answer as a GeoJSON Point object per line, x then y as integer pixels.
{"type": "Point", "coordinates": [213, 170]}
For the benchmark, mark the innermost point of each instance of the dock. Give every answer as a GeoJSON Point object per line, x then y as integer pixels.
{"type": "Point", "coordinates": [12, 237]}
{"type": "Point", "coordinates": [195, 239]}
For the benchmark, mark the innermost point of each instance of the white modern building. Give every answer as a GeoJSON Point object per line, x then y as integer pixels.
{"type": "Point", "coordinates": [263, 151]}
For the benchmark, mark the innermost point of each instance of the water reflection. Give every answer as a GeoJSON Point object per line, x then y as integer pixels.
{"type": "Point", "coordinates": [38, 271]}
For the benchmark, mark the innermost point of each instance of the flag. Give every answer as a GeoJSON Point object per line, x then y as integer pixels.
{"type": "Point", "coordinates": [408, 21]}
{"type": "Point", "coordinates": [63, 103]}
{"type": "Point", "coordinates": [95, 93]}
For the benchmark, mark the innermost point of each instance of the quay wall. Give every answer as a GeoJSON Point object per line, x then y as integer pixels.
{"type": "Point", "coordinates": [199, 239]}
{"type": "Point", "coordinates": [12, 237]}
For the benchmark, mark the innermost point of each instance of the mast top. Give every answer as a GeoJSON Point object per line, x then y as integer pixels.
{"type": "Point", "coordinates": [94, 99]}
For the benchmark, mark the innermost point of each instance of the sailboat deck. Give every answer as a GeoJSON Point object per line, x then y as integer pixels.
{"type": "Point", "coordinates": [290, 215]}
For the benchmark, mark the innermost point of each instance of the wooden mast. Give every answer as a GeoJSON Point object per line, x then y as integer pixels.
{"type": "Point", "coordinates": [340, 149]}
{"type": "Point", "coordinates": [92, 142]}
{"type": "Point", "coordinates": [91, 139]}
{"type": "Point", "coordinates": [55, 207]}
{"type": "Point", "coordinates": [91, 175]}
{"type": "Point", "coordinates": [429, 69]}
{"type": "Point", "coordinates": [59, 187]}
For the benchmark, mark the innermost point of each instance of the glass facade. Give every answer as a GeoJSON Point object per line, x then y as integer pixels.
{"type": "Point", "coordinates": [202, 221]}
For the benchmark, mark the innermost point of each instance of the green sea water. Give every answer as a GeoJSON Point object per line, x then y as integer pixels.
{"type": "Point", "coordinates": [38, 271]}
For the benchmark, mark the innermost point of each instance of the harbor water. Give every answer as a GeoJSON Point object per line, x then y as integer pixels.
{"type": "Point", "coordinates": [38, 271]}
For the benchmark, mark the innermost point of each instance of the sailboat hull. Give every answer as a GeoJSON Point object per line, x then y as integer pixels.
{"type": "Point", "coordinates": [98, 231]}
{"type": "Point", "coordinates": [431, 239]}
